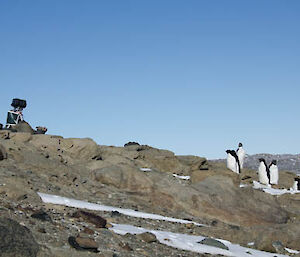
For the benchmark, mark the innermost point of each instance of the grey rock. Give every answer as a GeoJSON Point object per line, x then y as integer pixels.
{"type": "Point", "coordinates": [16, 240]}
{"type": "Point", "coordinates": [147, 237]}
{"type": "Point", "coordinates": [279, 247]}
{"type": "Point", "coordinates": [3, 153]}
{"type": "Point", "coordinates": [23, 127]}
{"type": "Point", "coordinates": [214, 243]}
{"type": "Point", "coordinates": [41, 215]}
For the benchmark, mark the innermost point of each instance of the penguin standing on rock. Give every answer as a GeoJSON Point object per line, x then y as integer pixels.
{"type": "Point", "coordinates": [273, 173]}
{"type": "Point", "coordinates": [296, 185]}
{"type": "Point", "coordinates": [263, 172]}
{"type": "Point", "coordinates": [233, 162]}
{"type": "Point", "coordinates": [241, 154]}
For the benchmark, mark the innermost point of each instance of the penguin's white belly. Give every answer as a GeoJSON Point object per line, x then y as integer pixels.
{"type": "Point", "coordinates": [241, 154]}
{"type": "Point", "coordinates": [274, 175]}
{"type": "Point", "coordinates": [295, 186]}
{"type": "Point", "coordinates": [231, 163]}
{"type": "Point", "coordinates": [262, 175]}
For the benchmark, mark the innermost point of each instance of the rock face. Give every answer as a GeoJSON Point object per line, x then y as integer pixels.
{"type": "Point", "coordinates": [137, 177]}
{"type": "Point", "coordinates": [3, 153]}
{"type": "Point", "coordinates": [16, 240]}
{"type": "Point", "coordinates": [125, 177]}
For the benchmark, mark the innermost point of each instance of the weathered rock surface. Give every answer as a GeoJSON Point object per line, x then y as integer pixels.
{"type": "Point", "coordinates": [22, 127]}
{"type": "Point", "coordinates": [3, 153]}
{"type": "Point", "coordinates": [16, 240]}
{"type": "Point", "coordinates": [81, 169]}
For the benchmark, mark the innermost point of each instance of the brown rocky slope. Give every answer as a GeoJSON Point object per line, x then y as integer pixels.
{"type": "Point", "coordinates": [81, 169]}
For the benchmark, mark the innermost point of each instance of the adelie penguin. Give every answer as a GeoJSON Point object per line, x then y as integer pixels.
{"type": "Point", "coordinates": [296, 185]}
{"type": "Point", "coordinates": [241, 154]}
{"type": "Point", "coordinates": [263, 172]}
{"type": "Point", "coordinates": [233, 162]}
{"type": "Point", "coordinates": [273, 173]}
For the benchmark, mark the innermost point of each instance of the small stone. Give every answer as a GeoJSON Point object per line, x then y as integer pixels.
{"type": "Point", "coordinates": [245, 177]}
{"type": "Point", "coordinates": [115, 214]}
{"type": "Point", "coordinates": [214, 243]}
{"type": "Point", "coordinates": [41, 215]}
{"type": "Point", "coordinates": [279, 247]}
{"type": "Point", "coordinates": [86, 242]}
{"type": "Point", "coordinates": [147, 237]}
{"type": "Point", "coordinates": [83, 244]}
{"type": "Point", "coordinates": [98, 221]}
{"type": "Point", "coordinates": [88, 231]}
{"type": "Point", "coordinates": [108, 225]}
{"type": "Point", "coordinates": [125, 246]}
{"type": "Point", "coordinates": [42, 230]}
{"type": "Point", "coordinates": [5, 134]}
{"type": "Point", "coordinates": [190, 225]}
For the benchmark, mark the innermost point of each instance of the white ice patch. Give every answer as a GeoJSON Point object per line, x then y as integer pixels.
{"type": "Point", "coordinates": [273, 191]}
{"type": "Point", "coordinates": [145, 169]}
{"type": "Point", "coordinates": [176, 240]}
{"type": "Point", "coordinates": [181, 177]}
{"type": "Point", "coordinates": [55, 199]}
{"type": "Point", "coordinates": [291, 251]}
{"type": "Point", "coordinates": [190, 243]}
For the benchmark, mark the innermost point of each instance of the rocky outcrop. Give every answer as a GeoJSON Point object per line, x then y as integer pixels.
{"type": "Point", "coordinates": [81, 169]}
{"type": "Point", "coordinates": [16, 240]}
{"type": "Point", "coordinates": [216, 196]}
{"type": "Point", "coordinates": [22, 127]}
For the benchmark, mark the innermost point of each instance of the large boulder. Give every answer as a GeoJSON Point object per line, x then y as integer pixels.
{"type": "Point", "coordinates": [16, 240]}
{"type": "Point", "coordinates": [124, 177]}
{"type": "Point", "coordinates": [78, 149]}
{"type": "Point", "coordinates": [194, 163]}
{"type": "Point", "coordinates": [22, 127]}
{"type": "Point", "coordinates": [158, 159]}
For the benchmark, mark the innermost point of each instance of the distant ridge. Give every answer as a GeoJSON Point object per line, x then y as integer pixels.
{"type": "Point", "coordinates": [288, 162]}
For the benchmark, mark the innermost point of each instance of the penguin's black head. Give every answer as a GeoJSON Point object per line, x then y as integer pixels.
{"type": "Point", "coordinates": [240, 145]}
{"type": "Point", "coordinates": [274, 162]}
{"type": "Point", "coordinates": [297, 179]}
{"type": "Point", "coordinates": [262, 160]}
{"type": "Point", "coordinates": [228, 151]}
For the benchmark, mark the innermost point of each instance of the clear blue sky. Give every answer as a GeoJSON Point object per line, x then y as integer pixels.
{"type": "Point", "coordinates": [195, 77]}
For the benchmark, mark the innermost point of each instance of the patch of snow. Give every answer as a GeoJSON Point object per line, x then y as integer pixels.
{"type": "Point", "coordinates": [273, 191]}
{"type": "Point", "coordinates": [55, 199]}
{"type": "Point", "coordinates": [181, 177]}
{"type": "Point", "coordinates": [145, 169]}
{"type": "Point", "coordinates": [176, 240]}
{"type": "Point", "coordinates": [251, 244]}
{"type": "Point", "coordinates": [291, 251]}
{"type": "Point", "coordinates": [243, 185]}
{"type": "Point", "coordinates": [190, 243]}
